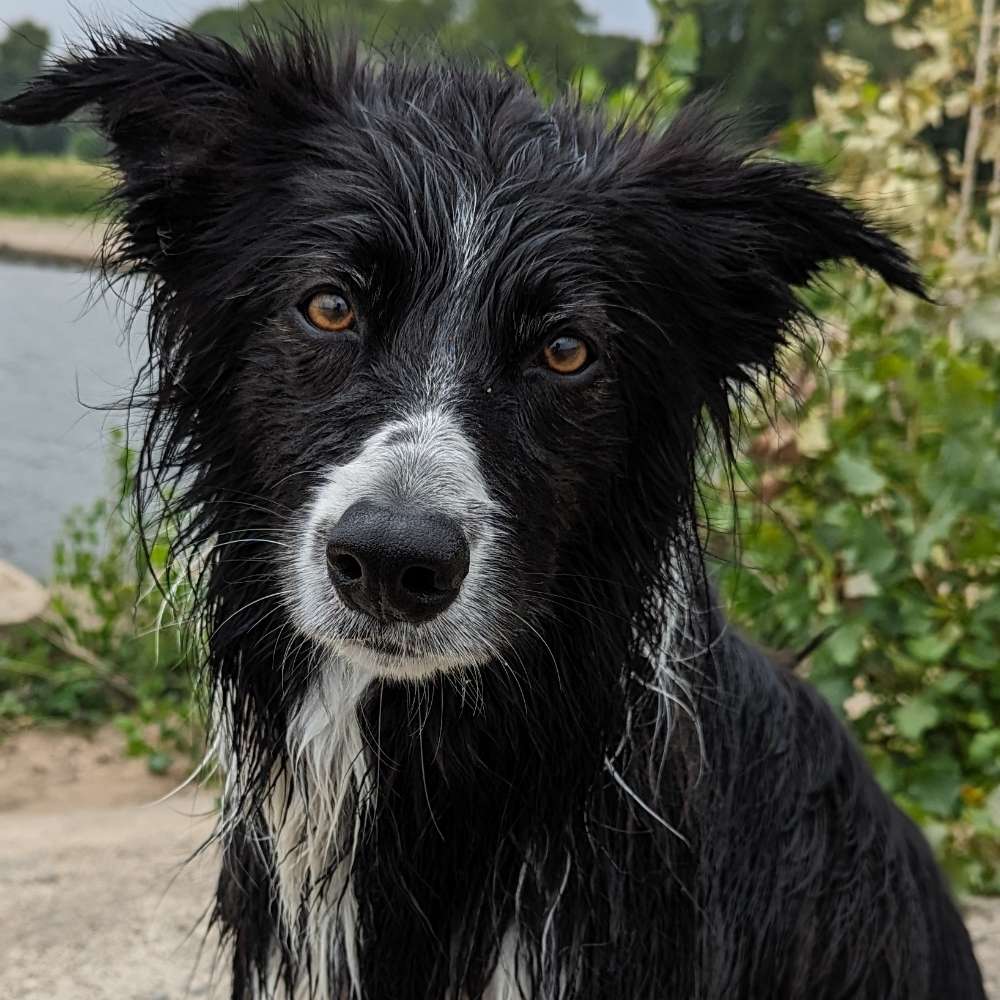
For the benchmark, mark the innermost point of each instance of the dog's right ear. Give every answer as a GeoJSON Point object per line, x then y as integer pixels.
{"type": "Point", "coordinates": [168, 104]}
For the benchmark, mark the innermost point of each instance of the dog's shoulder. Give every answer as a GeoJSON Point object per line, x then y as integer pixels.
{"type": "Point", "coordinates": [778, 723]}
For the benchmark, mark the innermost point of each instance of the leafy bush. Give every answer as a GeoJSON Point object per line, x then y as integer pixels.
{"type": "Point", "coordinates": [103, 651]}
{"type": "Point", "coordinates": [871, 517]}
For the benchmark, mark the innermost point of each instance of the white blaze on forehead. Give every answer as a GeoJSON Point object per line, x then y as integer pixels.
{"type": "Point", "coordinates": [425, 460]}
{"type": "Point", "coordinates": [467, 240]}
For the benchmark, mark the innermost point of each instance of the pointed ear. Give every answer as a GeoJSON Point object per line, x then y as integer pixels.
{"type": "Point", "coordinates": [160, 99]}
{"type": "Point", "coordinates": [725, 240]}
{"type": "Point", "coordinates": [172, 107]}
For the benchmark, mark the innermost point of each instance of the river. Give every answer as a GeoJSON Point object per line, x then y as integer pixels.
{"type": "Point", "coordinates": [61, 353]}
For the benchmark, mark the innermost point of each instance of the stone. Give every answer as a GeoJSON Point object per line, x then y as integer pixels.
{"type": "Point", "coordinates": [21, 597]}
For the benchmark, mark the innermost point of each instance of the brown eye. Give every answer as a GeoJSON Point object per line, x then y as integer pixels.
{"type": "Point", "coordinates": [330, 312]}
{"type": "Point", "coordinates": [566, 355]}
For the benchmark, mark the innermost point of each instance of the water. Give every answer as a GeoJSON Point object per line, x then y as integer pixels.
{"type": "Point", "coordinates": [58, 352]}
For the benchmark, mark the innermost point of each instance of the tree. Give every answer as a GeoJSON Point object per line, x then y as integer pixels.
{"type": "Point", "coordinates": [377, 21]}
{"type": "Point", "coordinates": [21, 55]}
{"type": "Point", "coordinates": [550, 32]}
{"type": "Point", "coordinates": [765, 54]}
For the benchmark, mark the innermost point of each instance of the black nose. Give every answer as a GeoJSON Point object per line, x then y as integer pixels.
{"type": "Point", "coordinates": [396, 563]}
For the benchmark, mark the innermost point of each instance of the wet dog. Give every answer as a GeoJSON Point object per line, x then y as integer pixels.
{"type": "Point", "coordinates": [431, 365]}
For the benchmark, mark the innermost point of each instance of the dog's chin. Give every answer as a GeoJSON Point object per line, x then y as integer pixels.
{"type": "Point", "coordinates": [403, 666]}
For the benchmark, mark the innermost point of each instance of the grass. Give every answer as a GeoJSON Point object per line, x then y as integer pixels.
{"type": "Point", "coordinates": [49, 185]}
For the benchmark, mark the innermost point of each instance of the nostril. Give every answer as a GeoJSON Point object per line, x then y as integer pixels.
{"type": "Point", "coordinates": [347, 567]}
{"type": "Point", "coordinates": [396, 563]}
{"type": "Point", "coordinates": [421, 581]}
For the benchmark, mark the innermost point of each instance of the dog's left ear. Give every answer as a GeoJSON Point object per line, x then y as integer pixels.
{"type": "Point", "coordinates": [173, 107]}
{"type": "Point", "coordinates": [724, 240]}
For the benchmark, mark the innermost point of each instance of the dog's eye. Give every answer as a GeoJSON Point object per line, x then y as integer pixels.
{"type": "Point", "coordinates": [566, 355]}
{"type": "Point", "coordinates": [329, 311]}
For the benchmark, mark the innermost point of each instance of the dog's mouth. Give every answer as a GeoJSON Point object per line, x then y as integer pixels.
{"type": "Point", "coordinates": [388, 658]}
{"type": "Point", "coordinates": [385, 647]}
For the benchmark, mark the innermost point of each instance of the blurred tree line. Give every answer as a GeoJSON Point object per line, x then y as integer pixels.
{"type": "Point", "coordinates": [762, 57]}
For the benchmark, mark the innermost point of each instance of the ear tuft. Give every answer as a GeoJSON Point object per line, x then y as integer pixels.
{"type": "Point", "coordinates": [152, 94]}
{"type": "Point", "coordinates": [777, 209]}
{"type": "Point", "coordinates": [117, 69]}
{"type": "Point", "coordinates": [724, 239]}
{"type": "Point", "coordinates": [809, 228]}
{"type": "Point", "coordinates": [173, 105]}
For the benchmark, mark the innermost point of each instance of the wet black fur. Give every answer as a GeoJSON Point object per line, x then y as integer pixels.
{"type": "Point", "coordinates": [249, 177]}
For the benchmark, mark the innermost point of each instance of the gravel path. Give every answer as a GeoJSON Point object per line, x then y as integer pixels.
{"type": "Point", "coordinates": [95, 901]}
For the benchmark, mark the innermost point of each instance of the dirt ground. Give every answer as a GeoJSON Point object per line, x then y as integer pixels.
{"type": "Point", "coordinates": [96, 902]}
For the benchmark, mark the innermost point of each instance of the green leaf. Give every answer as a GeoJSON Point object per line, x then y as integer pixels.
{"type": "Point", "coordinates": [844, 644]}
{"type": "Point", "coordinates": [858, 475]}
{"type": "Point", "coordinates": [984, 750]}
{"type": "Point", "coordinates": [932, 648]}
{"type": "Point", "coordinates": [915, 717]}
{"type": "Point", "coordinates": [950, 681]}
{"type": "Point", "coordinates": [939, 521]}
{"type": "Point", "coordinates": [936, 785]}
{"type": "Point", "coordinates": [836, 690]}
{"type": "Point", "coordinates": [876, 551]}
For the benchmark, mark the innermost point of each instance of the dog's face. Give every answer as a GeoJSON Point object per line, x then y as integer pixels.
{"type": "Point", "coordinates": [424, 383]}
{"type": "Point", "coordinates": [444, 350]}
{"type": "Point", "coordinates": [446, 404]}
{"type": "Point", "coordinates": [431, 390]}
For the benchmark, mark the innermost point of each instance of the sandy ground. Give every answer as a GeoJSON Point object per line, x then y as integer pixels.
{"type": "Point", "coordinates": [56, 241]}
{"type": "Point", "coordinates": [95, 901]}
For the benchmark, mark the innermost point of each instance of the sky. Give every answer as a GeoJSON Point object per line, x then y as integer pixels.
{"type": "Point", "coordinates": [630, 17]}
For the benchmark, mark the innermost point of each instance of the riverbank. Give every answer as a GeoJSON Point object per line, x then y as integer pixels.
{"type": "Point", "coordinates": [72, 241]}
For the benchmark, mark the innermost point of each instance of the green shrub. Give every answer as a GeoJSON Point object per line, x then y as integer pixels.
{"type": "Point", "coordinates": [871, 515]}
{"type": "Point", "coordinates": [106, 649]}
{"type": "Point", "coordinates": [872, 518]}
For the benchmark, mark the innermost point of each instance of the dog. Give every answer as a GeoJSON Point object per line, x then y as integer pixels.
{"type": "Point", "coordinates": [431, 366]}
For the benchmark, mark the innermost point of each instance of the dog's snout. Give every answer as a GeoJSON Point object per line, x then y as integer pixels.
{"type": "Point", "coordinates": [396, 563]}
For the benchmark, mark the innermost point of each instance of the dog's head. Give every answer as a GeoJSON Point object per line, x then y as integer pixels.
{"type": "Point", "coordinates": [437, 353]}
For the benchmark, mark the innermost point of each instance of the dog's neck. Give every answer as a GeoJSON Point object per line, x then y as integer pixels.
{"type": "Point", "coordinates": [439, 776]}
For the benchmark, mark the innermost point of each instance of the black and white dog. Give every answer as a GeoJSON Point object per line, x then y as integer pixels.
{"type": "Point", "coordinates": [431, 367]}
